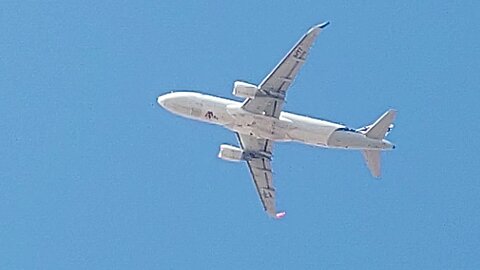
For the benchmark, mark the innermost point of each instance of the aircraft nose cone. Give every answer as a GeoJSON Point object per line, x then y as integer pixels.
{"type": "Point", "coordinates": [162, 100]}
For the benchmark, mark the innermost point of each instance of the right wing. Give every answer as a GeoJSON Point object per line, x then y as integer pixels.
{"type": "Point", "coordinates": [272, 90]}
{"type": "Point", "coordinates": [258, 154]}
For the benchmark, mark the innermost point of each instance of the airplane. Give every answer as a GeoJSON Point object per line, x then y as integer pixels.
{"type": "Point", "coordinates": [259, 121]}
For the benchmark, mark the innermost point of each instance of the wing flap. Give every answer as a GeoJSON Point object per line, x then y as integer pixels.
{"type": "Point", "coordinates": [285, 72]}
{"type": "Point", "coordinates": [272, 90]}
{"type": "Point", "coordinates": [258, 152]}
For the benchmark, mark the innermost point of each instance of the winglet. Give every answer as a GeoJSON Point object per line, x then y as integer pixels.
{"type": "Point", "coordinates": [280, 215]}
{"type": "Point", "coordinates": [316, 29]}
{"type": "Point", "coordinates": [324, 24]}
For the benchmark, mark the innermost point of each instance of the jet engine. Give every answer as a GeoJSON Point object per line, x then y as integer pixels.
{"type": "Point", "coordinates": [230, 153]}
{"type": "Point", "coordinates": [244, 90]}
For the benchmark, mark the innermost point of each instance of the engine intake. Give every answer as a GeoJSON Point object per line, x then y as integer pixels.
{"type": "Point", "coordinates": [230, 153]}
{"type": "Point", "coordinates": [244, 90]}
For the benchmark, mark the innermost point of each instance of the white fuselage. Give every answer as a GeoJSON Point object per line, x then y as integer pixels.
{"type": "Point", "coordinates": [288, 127]}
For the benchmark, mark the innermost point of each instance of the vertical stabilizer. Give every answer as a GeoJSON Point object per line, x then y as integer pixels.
{"type": "Point", "coordinates": [377, 131]}
{"type": "Point", "coordinates": [372, 158]}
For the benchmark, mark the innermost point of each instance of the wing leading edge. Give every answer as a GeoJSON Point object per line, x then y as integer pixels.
{"type": "Point", "coordinates": [272, 90]}
{"type": "Point", "coordinates": [269, 101]}
{"type": "Point", "coordinates": [258, 155]}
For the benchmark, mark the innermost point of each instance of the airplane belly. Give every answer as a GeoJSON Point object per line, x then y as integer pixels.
{"type": "Point", "coordinates": [314, 136]}
{"type": "Point", "coordinates": [199, 107]}
{"type": "Point", "coordinates": [258, 125]}
{"type": "Point", "coordinates": [269, 127]}
{"type": "Point", "coordinates": [308, 130]}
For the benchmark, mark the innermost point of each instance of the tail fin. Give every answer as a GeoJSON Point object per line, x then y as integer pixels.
{"type": "Point", "coordinates": [378, 130]}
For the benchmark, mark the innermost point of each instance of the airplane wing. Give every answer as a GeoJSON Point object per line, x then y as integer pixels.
{"type": "Point", "coordinates": [272, 90]}
{"type": "Point", "coordinates": [258, 156]}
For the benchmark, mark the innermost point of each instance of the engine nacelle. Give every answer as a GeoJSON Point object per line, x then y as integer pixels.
{"type": "Point", "coordinates": [244, 90]}
{"type": "Point", "coordinates": [230, 153]}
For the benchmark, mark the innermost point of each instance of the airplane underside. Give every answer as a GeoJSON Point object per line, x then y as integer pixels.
{"type": "Point", "coordinates": [284, 130]}
{"type": "Point", "coordinates": [259, 121]}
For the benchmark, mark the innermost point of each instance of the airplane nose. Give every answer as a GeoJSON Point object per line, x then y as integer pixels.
{"type": "Point", "coordinates": [162, 100]}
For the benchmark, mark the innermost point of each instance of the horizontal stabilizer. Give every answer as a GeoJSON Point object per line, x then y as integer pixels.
{"type": "Point", "coordinates": [372, 158]}
{"type": "Point", "coordinates": [378, 129]}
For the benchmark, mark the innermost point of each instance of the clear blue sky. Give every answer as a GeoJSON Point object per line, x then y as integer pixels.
{"type": "Point", "coordinates": [95, 175]}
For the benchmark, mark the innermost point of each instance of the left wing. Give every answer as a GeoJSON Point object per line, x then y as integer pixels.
{"type": "Point", "coordinates": [272, 90]}
{"type": "Point", "coordinates": [258, 155]}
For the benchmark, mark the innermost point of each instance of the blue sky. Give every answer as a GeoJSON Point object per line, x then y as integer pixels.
{"type": "Point", "coordinates": [95, 175]}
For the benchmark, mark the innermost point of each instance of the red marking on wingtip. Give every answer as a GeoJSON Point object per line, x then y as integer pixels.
{"type": "Point", "coordinates": [280, 215]}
